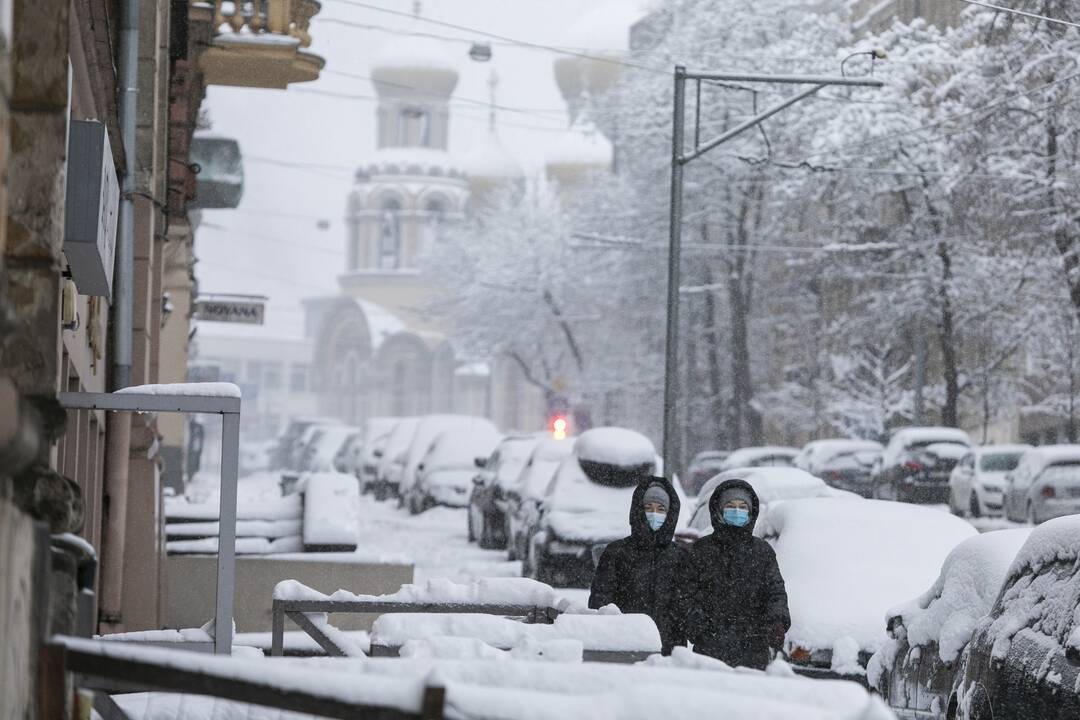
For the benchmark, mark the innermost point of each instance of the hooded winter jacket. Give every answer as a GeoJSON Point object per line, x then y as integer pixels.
{"type": "Point", "coordinates": [731, 593]}
{"type": "Point", "coordinates": [637, 573]}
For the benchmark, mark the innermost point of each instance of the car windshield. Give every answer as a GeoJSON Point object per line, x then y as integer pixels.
{"type": "Point", "coordinates": [999, 462]}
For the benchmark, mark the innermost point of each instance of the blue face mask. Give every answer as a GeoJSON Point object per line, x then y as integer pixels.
{"type": "Point", "coordinates": [655, 520]}
{"type": "Point", "coordinates": [736, 516]}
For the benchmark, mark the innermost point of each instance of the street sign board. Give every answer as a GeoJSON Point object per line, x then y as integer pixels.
{"type": "Point", "coordinates": [249, 312]}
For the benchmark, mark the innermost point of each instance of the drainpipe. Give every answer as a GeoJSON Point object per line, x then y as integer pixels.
{"type": "Point", "coordinates": [125, 246]}
{"type": "Point", "coordinates": [118, 426]}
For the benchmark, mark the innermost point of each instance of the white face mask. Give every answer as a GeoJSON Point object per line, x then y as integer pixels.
{"type": "Point", "coordinates": [655, 520]}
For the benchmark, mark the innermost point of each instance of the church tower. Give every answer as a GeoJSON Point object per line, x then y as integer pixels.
{"type": "Point", "coordinates": [410, 188]}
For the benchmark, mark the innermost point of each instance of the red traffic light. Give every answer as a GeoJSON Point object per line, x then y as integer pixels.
{"type": "Point", "coordinates": [559, 427]}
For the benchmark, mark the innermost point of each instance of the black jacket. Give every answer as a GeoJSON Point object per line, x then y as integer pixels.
{"type": "Point", "coordinates": [731, 592]}
{"type": "Point", "coordinates": [637, 573]}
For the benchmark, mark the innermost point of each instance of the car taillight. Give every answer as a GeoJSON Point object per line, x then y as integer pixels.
{"type": "Point", "coordinates": [1048, 491]}
{"type": "Point", "coordinates": [799, 655]}
{"type": "Point", "coordinates": [833, 475]}
{"type": "Point", "coordinates": [913, 466]}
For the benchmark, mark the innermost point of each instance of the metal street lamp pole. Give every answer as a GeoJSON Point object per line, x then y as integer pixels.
{"type": "Point", "coordinates": [678, 160]}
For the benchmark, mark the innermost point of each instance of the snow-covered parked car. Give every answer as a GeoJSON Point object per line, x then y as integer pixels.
{"type": "Point", "coordinates": [914, 671]}
{"type": "Point", "coordinates": [428, 429]}
{"type": "Point", "coordinates": [394, 454]}
{"type": "Point", "coordinates": [525, 495]}
{"type": "Point", "coordinates": [445, 475]}
{"type": "Point", "coordinates": [846, 562]}
{"type": "Point", "coordinates": [771, 484]}
{"type": "Point", "coordinates": [917, 463]}
{"type": "Point", "coordinates": [702, 467]}
{"type": "Point", "coordinates": [977, 483]}
{"type": "Point", "coordinates": [1044, 485]}
{"type": "Point", "coordinates": [487, 502]}
{"type": "Point", "coordinates": [287, 451]}
{"type": "Point", "coordinates": [323, 447]}
{"type": "Point", "coordinates": [367, 450]}
{"type": "Point", "coordinates": [763, 456]}
{"type": "Point", "coordinates": [1023, 660]}
{"type": "Point", "coordinates": [844, 464]}
{"type": "Point", "coordinates": [586, 505]}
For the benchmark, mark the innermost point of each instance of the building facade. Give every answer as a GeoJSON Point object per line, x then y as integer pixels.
{"type": "Point", "coordinates": [96, 284]}
{"type": "Point", "coordinates": [383, 347]}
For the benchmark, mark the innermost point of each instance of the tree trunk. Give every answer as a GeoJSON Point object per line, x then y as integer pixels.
{"type": "Point", "coordinates": [950, 412]}
{"type": "Point", "coordinates": [721, 436]}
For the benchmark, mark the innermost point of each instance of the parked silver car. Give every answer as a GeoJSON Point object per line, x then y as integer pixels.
{"type": "Point", "coordinates": [1045, 484]}
{"type": "Point", "coordinates": [977, 483]}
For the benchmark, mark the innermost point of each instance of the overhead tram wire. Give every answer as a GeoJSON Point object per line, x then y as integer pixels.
{"type": "Point", "coordinates": [503, 38]}
{"type": "Point", "coordinates": [1021, 13]}
{"type": "Point", "coordinates": [476, 118]}
{"type": "Point", "coordinates": [539, 112]}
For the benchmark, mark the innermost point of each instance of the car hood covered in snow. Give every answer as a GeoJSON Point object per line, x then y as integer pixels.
{"type": "Point", "coordinates": [847, 561]}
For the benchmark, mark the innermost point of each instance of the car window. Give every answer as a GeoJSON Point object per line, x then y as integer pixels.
{"type": "Point", "coordinates": [1044, 601]}
{"type": "Point", "coordinates": [999, 462]}
{"type": "Point", "coordinates": [1060, 473]}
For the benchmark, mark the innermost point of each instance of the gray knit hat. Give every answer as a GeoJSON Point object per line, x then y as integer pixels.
{"type": "Point", "coordinates": [657, 494]}
{"type": "Point", "coordinates": [736, 493]}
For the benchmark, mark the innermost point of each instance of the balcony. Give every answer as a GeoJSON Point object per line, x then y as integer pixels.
{"type": "Point", "coordinates": [258, 43]}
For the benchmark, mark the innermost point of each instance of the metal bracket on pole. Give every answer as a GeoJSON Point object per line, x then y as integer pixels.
{"type": "Point", "coordinates": [229, 409]}
{"type": "Point", "coordinates": [678, 161]}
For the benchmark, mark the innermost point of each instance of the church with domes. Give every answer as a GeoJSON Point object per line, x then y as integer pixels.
{"type": "Point", "coordinates": [377, 350]}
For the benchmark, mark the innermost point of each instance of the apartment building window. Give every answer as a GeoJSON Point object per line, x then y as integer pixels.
{"type": "Point", "coordinates": [272, 375]}
{"type": "Point", "coordinates": [298, 377]}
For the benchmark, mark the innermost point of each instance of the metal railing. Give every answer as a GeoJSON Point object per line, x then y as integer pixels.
{"type": "Point", "coordinates": [98, 666]}
{"type": "Point", "coordinates": [297, 611]}
{"type": "Point", "coordinates": [279, 17]}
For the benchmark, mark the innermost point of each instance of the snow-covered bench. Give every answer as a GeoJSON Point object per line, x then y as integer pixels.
{"type": "Point", "coordinates": [506, 614]}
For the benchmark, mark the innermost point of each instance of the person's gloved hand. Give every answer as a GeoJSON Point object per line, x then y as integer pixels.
{"type": "Point", "coordinates": [775, 636]}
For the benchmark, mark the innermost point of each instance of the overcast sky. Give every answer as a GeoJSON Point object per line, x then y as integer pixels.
{"type": "Point", "coordinates": [270, 245]}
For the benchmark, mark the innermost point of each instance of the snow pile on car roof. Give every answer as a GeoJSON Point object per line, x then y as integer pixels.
{"type": "Point", "coordinates": [460, 447]}
{"type": "Point", "coordinates": [1054, 540]}
{"type": "Point", "coordinates": [481, 591]}
{"type": "Point", "coordinates": [1052, 454]}
{"type": "Point", "coordinates": [847, 561]}
{"type": "Point", "coordinates": [966, 589]}
{"type": "Point", "coordinates": [749, 455]}
{"type": "Point", "coordinates": [771, 483]}
{"type": "Point", "coordinates": [615, 446]}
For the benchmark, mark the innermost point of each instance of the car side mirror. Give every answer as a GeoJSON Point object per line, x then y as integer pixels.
{"type": "Point", "coordinates": [1072, 655]}
{"type": "Point", "coordinates": [377, 453]}
{"type": "Point", "coordinates": [481, 462]}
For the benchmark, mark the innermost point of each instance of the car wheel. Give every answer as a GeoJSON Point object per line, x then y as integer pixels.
{"type": "Point", "coordinates": [415, 504]}
{"type": "Point", "coordinates": [953, 507]}
{"type": "Point", "coordinates": [472, 529]}
{"type": "Point", "coordinates": [973, 507]}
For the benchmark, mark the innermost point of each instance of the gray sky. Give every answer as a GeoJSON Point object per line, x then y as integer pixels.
{"type": "Point", "coordinates": [260, 247]}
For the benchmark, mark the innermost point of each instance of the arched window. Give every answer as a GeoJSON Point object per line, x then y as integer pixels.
{"type": "Point", "coordinates": [414, 127]}
{"type": "Point", "coordinates": [390, 234]}
{"type": "Point", "coordinates": [434, 220]}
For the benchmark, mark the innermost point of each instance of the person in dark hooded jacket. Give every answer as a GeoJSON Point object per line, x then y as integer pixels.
{"type": "Point", "coordinates": [731, 593]}
{"type": "Point", "coordinates": [637, 573]}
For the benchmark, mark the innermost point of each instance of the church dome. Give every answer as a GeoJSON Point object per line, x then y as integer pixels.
{"type": "Point", "coordinates": [488, 163]}
{"type": "Point", "coordinates": [415, 64]}
{"type": "Point", "coordinates": [581, 149]}
{"type": "Point", "coordinates": [604, 33]}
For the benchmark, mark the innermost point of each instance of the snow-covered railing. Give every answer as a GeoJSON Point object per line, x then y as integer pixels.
{"type": "Point", "coordinates": [281, 684]}
{"type": "Point", "coordinates": [507, 597]}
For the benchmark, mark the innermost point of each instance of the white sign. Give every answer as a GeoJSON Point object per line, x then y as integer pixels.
{"type": "Point", "coordinates": [232, 311]}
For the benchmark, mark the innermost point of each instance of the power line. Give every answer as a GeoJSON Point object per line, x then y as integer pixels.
{"type": "Point", "coordinates": [504, 38]}
{"type": "Point", "coordinates": [1022, 13]}
{"type": "Point", "coordinates": [475, 118]}
{"type": "Point", "coordinates": [455, 98]}
{"type": "Point", "coordinates": [269, 238]}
